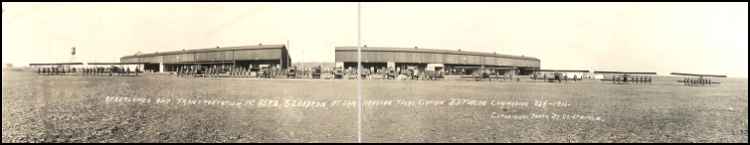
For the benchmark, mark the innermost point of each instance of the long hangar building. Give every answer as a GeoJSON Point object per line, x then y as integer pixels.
{"type": "Point", "coordinates": [449, 61]}
{"type": "Point", "coordinates": [251, 56]}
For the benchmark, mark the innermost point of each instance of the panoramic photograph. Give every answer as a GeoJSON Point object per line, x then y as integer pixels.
{"type": "Point", "coordinates": [374, 72]}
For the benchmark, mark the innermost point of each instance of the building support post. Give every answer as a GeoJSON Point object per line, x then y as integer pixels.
{"type": "Point", "coordinates": [161, 65]}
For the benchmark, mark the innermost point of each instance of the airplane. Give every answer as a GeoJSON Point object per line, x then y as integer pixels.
{"type": "Point", "coordinates": [699, 81]}
{"type": "Point", "coordinates": [490, 72]}
{"type": "Point", "coordinates": [557, 75]}
{"type": "Point", "coordinates": [625, 77]}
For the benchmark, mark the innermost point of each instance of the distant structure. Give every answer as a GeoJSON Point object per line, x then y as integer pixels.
{"type": "Point", "coordinates": [73, 54]}
{"type": "Point", "coordinates": [247, 57]}
{"type": "Point", "coordinates": [449, 61]}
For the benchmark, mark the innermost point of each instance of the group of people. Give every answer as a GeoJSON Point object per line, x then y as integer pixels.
{"type": "Point", "coordinates": [110, 71]}
{"type": "Point", "coordinates": [699, 81]}
{"type": "Point", "coordinates": [634, 79]}
{"type": "Point", "coordinates": [54, 70]}
{"type": "Point", "coordinates": [89, 71]}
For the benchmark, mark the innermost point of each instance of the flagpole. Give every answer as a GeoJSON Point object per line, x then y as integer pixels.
{"type": "Point", "coordinates": [359, 73]}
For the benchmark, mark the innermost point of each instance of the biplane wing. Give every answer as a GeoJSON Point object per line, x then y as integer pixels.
{"type": "Point", "coordinates": [698, 75]}
{"type": "Point", "coordinates": [563, 70]}
{"type": "Point", "coordinates": [700, 80]}
{"type": "Point", "coordinates": [689, 81]}
{"type": "Point", "coordinates": [60, 64]}
{"type": "Point", "coordinates": [621, 72]}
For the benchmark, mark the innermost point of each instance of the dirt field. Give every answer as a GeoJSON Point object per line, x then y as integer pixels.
{"type": "Point", "coordinates": [76, 109]}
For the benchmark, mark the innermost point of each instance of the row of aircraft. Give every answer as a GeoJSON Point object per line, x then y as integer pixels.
{"type": "Point", "coordinates": [620, 77]}
{"type": "Point", "coordinates": [547, 75]}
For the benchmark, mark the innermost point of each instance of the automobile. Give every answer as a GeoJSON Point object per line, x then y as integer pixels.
{"type": "Point", "coordinates": [291, 73]}
{"type": "Point", "coordinates": [316, 73]}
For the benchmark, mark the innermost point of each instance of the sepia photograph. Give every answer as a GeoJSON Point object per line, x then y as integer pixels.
{"type": "Point", "coordinates": [374, 72]}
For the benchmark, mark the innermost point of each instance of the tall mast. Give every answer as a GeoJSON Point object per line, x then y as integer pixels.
{"type": "Point", "coordinates": [359, 73]}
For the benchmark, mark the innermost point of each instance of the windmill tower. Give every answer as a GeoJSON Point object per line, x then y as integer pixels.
{"type": "Point", "coordinates": [73, 54]}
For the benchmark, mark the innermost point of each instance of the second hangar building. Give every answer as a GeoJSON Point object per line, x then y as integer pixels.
{"type": "Point", "coordinates": [456, 62]}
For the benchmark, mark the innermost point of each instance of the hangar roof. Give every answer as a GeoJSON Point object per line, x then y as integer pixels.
{"type": "Point", "coordinates": [425, 50]}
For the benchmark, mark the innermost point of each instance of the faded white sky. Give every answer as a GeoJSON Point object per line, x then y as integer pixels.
{"type": "Point", "coordinates": [661, 37]}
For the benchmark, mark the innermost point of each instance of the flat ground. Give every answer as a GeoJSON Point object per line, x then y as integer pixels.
{"type": "Point", "coordinates": [74, 109]}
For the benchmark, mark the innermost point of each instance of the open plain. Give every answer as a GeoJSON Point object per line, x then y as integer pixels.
{"type": "Point", "coordinates": [98, 109]}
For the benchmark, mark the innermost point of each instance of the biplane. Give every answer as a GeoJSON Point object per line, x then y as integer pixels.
{"type": "Point", "coordinates": [619, 77]}
{"type": "Point", "coordinates": [490, 72]}
{"type": "Point", "coordinates": [697, 81]}
{"type": "Point", "coordinates": [433, 75]}
{"type": "Point", "coordinates": [482, 74]}
{"type": "Point", "coordinates": [551, 75]}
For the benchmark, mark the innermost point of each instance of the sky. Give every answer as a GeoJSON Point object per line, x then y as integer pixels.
{"type": "Point", "coordinates": [661, 37]}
